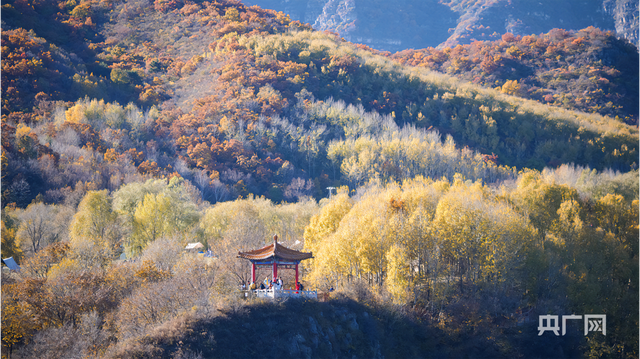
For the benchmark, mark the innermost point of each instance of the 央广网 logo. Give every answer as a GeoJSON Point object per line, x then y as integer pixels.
{"type": "Point", "coordinates": [592, 323]}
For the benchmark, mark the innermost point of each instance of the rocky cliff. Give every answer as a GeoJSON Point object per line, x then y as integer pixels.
{"type": "Point", "coordinates": [625, 15]}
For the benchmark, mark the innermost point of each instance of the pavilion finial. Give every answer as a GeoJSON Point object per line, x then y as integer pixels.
{"type": "Point", "coordinates": [275, 238]}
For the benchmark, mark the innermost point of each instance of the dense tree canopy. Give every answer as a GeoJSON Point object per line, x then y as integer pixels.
{"type": "Point", "coordinates": [587, 70]}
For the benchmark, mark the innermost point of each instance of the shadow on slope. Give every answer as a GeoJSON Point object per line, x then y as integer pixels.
{"type": "Point", "coordinates": [335, 329]}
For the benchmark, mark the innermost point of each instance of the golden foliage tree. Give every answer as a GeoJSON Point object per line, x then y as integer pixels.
{"type": "Point", "coordinates": [94, 230]}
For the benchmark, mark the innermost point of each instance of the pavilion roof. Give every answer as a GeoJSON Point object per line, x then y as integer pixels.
{"type": "Point", "coordinates": [275, 251]}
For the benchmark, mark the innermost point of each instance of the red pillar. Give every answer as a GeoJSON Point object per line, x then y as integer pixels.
{"type": "Point", "coordinates": [253, 272]}
{"type": "Point", "coordinates": [296, 274]}
{"type": "Point", "coordinates": [275, 269]}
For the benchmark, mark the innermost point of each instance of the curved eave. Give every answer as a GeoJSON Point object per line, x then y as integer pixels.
{"type": "Point", "coordinates": [275, 251]}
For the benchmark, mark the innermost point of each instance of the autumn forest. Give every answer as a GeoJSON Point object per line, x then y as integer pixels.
{"type": "Point", "coordinates": [474, 188]}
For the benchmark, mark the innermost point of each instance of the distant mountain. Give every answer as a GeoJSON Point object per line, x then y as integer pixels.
{"type": "Point", "coordinates": [404, 24]}
{"type": "Point", "coordinates": [383, 25]}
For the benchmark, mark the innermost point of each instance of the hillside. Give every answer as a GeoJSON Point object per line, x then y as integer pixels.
{"type": "Point", "coordinates": [587, 70]}
{"type": "Point", "coordinates": [435, 267]}
{"type": "Point", "coordinates": [399, 25]}
{"type": "Point", "coordinates": [339, 328]}
{"type": "Point", "coordinates": [229, 100]}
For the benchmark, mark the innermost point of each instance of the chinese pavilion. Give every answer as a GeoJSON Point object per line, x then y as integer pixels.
{"type": "Point", "coordinates": [273, 256]}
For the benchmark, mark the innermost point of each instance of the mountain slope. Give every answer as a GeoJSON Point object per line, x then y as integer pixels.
{"type": "Point", "coordinates": [243, 100]}
{"type": "Point", "coordinates": [587, 70]}
{"type": "Point", "coordinates": [339, 328]}
{"type": "Point", "coordinates": [479, 20]}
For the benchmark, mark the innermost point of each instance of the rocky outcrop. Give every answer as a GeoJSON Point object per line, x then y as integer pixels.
{"type": "Point", "coordinates": [337, 15]}
{"type": "Point", "coordinates": [625, 16]}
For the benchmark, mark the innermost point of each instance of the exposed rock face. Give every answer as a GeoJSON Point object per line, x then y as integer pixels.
{"type": "Point", "coordinates": [337, 15]}
{"type": "Point", "coordinates": [402, 24]}
{"type": "Point", "coordinates": [625, 15]}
